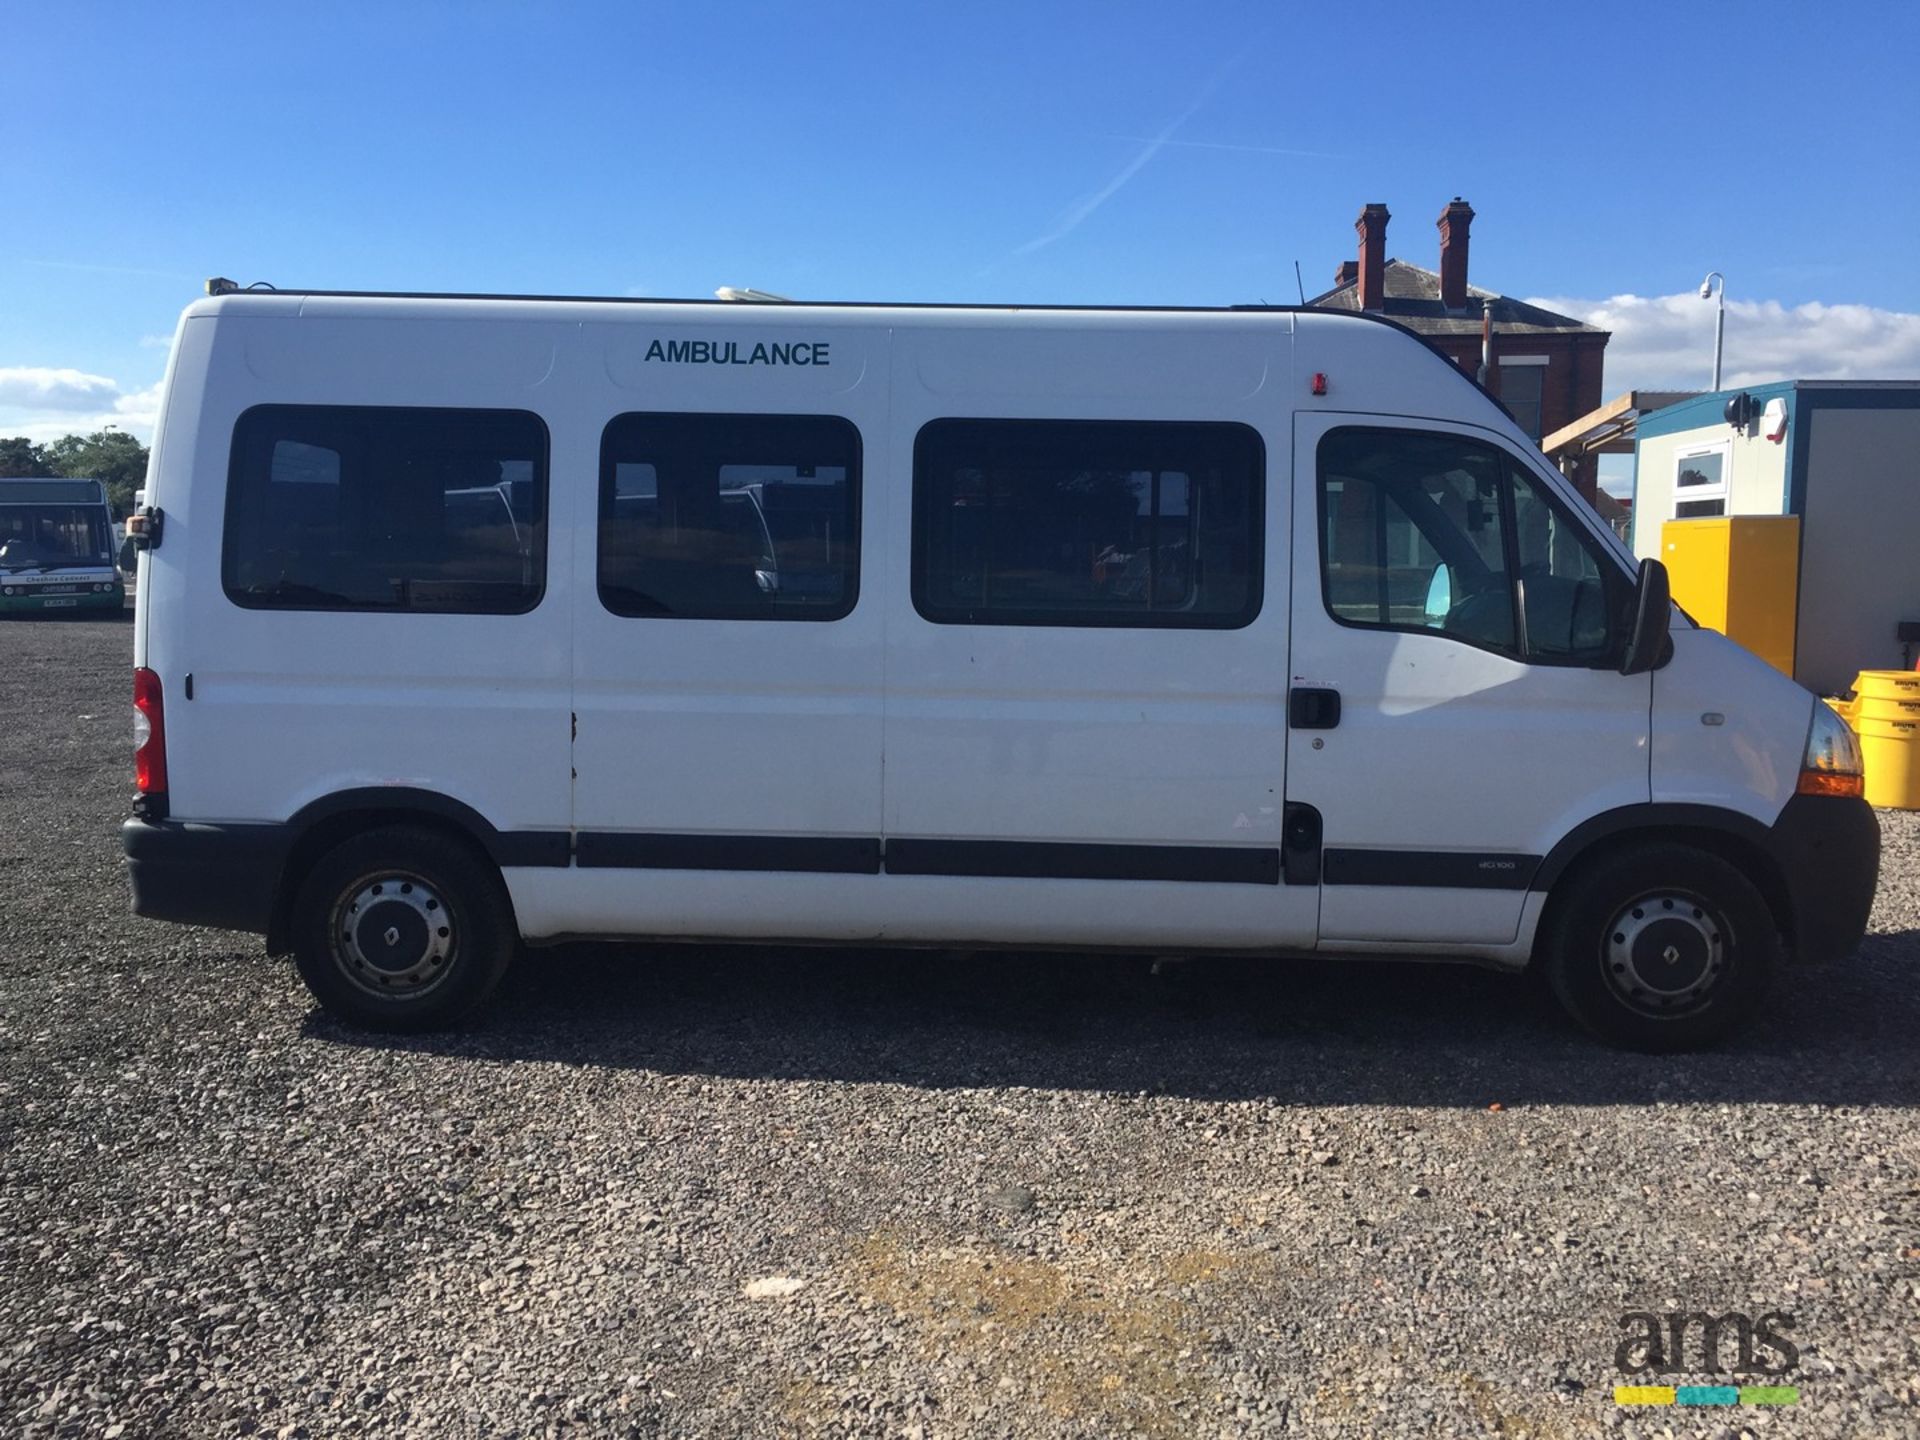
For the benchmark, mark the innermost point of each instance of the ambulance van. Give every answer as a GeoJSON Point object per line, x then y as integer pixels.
{"type": "Point", "coordinates": [471, 624]}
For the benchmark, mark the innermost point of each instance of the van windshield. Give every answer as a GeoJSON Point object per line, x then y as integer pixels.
{"type": "Point", "coordinates": [53, 536]}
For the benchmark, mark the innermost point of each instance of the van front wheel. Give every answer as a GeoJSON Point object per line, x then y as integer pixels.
{"type": "Point", "coordinates": [1661, 948]}
{"type": "Point", "coordinates": [402, 929]}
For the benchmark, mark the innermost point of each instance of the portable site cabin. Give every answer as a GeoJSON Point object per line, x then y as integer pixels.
{"type": "Point", "coordinates": [1841, 455]}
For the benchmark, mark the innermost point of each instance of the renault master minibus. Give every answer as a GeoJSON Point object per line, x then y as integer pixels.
{"type": "Point", "coordinates": [468, 623]}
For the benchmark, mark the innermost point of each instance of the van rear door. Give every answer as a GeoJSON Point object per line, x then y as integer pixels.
{"type": "Point", "coordinates": [1468, 622]}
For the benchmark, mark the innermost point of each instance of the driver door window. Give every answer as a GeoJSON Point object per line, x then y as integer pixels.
{"type": "Point", "coordinates": [1435, 532]}
{"type": "Point", "coordinates": [1414, 535]}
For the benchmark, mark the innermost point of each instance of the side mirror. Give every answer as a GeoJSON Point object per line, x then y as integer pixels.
{"type": "Point", "coordinates": [1648, 647]}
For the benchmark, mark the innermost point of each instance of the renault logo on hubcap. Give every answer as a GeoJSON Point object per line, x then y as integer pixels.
{"type": "Point", "coordinates": [1671, 954]}
{"type": "Point", "coordinates": [392, 937]}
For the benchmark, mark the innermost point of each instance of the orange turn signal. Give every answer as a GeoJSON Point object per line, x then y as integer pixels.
{"type": "Point", "coordinates": [1829, 782]}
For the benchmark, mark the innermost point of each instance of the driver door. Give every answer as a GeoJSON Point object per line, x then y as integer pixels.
{"type": "Point", "coordinates": [1470, 623]}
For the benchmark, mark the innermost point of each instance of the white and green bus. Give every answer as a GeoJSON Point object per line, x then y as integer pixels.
{"type": "Point", "coordinates": [56, 547]}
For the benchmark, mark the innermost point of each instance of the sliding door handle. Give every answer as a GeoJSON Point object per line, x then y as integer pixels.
{"type": "Point", "coordinates": [1312, 707]}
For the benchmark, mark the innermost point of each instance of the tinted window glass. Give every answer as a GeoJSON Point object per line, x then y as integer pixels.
{"type": "Point", "coordinates": [730, 517]}
{"type": "Point", "coordinates": [368, 508]}
{"type": "Point", "coordinates": [1056, 522]}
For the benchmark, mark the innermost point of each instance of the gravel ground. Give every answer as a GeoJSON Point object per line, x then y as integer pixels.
{"type": "Point", "coordinates": [767, 1192]}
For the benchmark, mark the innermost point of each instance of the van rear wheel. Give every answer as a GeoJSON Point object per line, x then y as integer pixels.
{"type": "Point", "coordinates": [1661, 948]}
{"type": "Point", "coordinates": [402, 929]}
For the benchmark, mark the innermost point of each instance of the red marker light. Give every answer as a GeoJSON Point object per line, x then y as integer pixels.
{"type": "Point", "coordinates": [1319, 383]}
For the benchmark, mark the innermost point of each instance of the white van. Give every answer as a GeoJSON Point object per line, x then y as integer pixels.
{"type": "Point", "coordinates": [1167, 630]}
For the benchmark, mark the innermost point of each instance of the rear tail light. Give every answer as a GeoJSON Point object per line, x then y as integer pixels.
{"type": "Point", "coordinates": [149, 734]}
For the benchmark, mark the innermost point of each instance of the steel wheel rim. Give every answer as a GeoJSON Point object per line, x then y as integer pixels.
{"type": "Point", "coordinates": [1665, 953]}
{"type": "Point", "coordinates": [392, 934]}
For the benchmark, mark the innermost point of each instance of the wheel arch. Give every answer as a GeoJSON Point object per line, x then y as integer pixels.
{"type": "Point", "coordinates": [324, 823]}
{"type": "Point", "coordinates": [1738, 839]}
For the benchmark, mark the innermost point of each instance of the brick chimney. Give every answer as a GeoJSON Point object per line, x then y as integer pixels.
{"type": "Point", "coordinates": [1348, 272]}
{"type": "Point", "coordinates": [1454, 223]}
{"type": "Point", "coordinates": [1372, 226]}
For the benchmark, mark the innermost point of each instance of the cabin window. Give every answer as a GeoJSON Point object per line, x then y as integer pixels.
{"type": "Point", "coordinates": [386, 508]}
{"type": "Point", "coordinates": [1700, 483]}
{"type": "Point", "coordinates": [1087, 522]}
{"type": "Point", "coordinates": [730, 517]}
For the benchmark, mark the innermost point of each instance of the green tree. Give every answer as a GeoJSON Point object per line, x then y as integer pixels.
{"type": "Point", "coordinates": [21, 459]}
{"type": "Point", "coordinates": [111, 456]}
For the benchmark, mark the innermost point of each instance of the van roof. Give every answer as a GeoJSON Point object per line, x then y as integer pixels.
{"type": "Point", "coordinates": [265, 296]}
{"type": "Point", "coordinates": [224, 296]}
{"type": "Point", "coordinates": [226, 290]}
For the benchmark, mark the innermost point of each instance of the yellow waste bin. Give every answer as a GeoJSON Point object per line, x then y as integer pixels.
{"type": "Point", "coordinates": [1740, 575]}
{"type": "Point", "coordinates": [1885, 714]}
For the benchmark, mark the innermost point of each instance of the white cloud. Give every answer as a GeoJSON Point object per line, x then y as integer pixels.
{"type": "Point", "coordinates": [40, 431]}
{"type": "Point", "coordinates": [140, 410]}
{"type": "Point", "coordinates": [44, 403]}
{"type": "Point", "coordinates": [40, 388]}
{"type": "Point", "coordinates": [1665, 342]}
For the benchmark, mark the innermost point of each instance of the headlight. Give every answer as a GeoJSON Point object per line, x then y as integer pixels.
{"type": "Point", "coordinates": [1831, 765]}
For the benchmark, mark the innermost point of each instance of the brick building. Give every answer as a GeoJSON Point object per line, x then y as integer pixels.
{"type": "Point", "coordinates": [1544, 367]}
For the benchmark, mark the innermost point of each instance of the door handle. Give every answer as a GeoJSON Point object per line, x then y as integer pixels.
{"type": "Point", "coordinates": [1313, 707]}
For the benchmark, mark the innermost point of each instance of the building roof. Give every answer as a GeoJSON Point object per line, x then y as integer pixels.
{"type": "Point", "coordinates": [1708, 409]}
{"type": "Point", "coordinates": [1413, 300]}
{"type": "Point", "coordinates": [1609, 429]}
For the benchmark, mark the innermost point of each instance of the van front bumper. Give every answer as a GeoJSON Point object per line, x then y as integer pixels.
{"type": "Point", "coordinates": [225, 876]}
{"type": "Point", "coordinates": [1828, 852]}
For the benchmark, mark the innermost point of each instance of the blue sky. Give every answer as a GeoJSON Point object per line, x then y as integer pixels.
{"type": "Point", "coordinates": [1144, 153]}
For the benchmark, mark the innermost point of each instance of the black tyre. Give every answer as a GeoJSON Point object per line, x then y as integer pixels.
{"type": "Point", "coordinates": [402, 929]}
{"type": "Point", "coordinates": [1661, 948]}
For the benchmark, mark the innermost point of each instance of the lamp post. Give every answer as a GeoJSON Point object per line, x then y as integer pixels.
{"type": "Point", "coordinates": [1707, 292]}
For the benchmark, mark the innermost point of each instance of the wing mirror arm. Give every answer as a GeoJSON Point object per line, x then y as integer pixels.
{"type": "Point", "coordinates": [1648, 645]}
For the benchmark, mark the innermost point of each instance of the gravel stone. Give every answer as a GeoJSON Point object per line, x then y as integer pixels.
{"type": "Point", "coordinates": [1280, 1199]}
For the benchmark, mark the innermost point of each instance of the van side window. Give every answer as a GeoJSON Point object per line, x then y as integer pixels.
{"type": "Point", "coordinates": [1434, 532]}
{"type": "Point", "coordinates": [386, 508]}
{"type": "Point", "coordinates": [1087, 522]}
{"type": "Point", "coordinates": [730, 517]}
